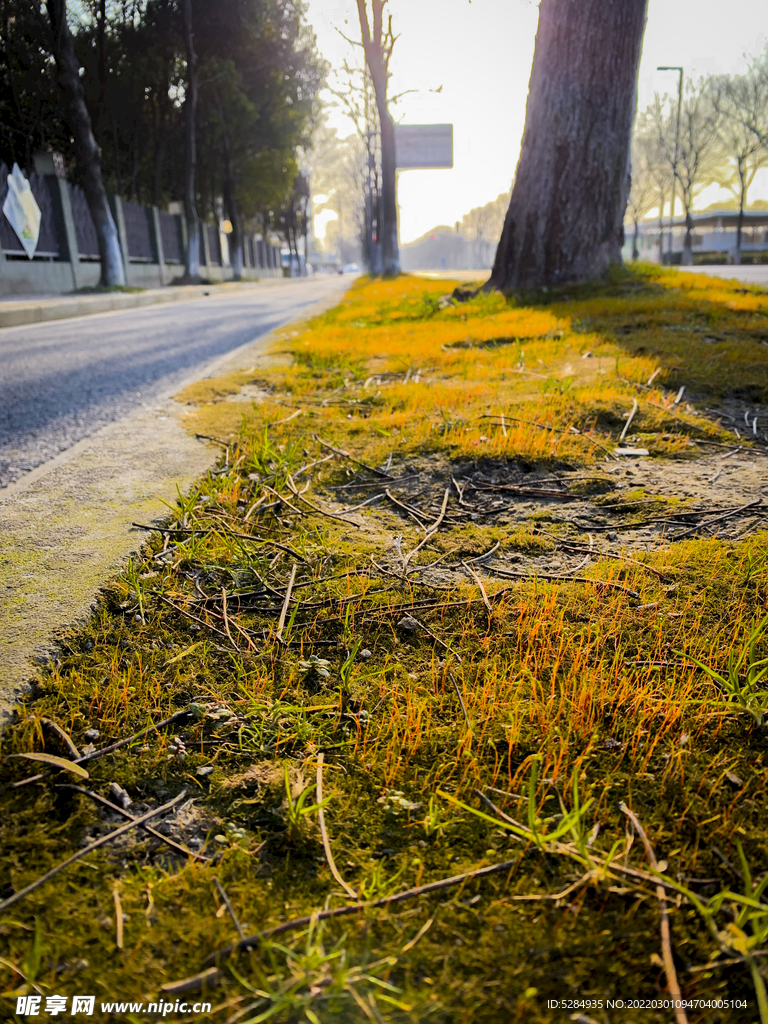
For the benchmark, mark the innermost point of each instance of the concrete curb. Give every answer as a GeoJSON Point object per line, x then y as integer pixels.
{"type": "Point", "coordinates": [16, 314]}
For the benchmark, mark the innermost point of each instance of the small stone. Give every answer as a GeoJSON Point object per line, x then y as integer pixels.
{"type": "Point", "coordinates": [632, 452]}
{"type": "Point", "coordinates": [611, 744]}
{"type": "Point", "coordinates": [204, 770]}
{"type": "Point", "coordinates": [734, 780]}
{"type": "Point", "coordinates": [92, 734]}
{"type": "Point", "coordinates": [408, 623]}
{"type": "Point", "coordinates": [612, 535]}
{"type": "Point", "coordinates": [365, 654]}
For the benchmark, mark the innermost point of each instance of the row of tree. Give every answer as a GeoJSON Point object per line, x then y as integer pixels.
{"type": "Point", "coordinates": [714, 132]}
{"type": "Point", "coordinates": [212, 100]}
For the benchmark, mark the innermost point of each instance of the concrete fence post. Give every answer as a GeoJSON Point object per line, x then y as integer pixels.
{"type": "Point", "coordinates": [157, 241]}
{"type": "Point", "coordinates": [206, 249]}
{"type": "Point", "coordinates": [117, 212]}
{"type": "Point", "coordinates": [62, 196]}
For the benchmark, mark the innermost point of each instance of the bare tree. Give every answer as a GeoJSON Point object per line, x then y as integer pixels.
{"type": "Point", "coordinates": [742, 103]}
{"type": "Point", "coordinates": [565, 219]}
{"type": "Point", "coordinates": [86, 151]}
{"type": "Point", "coordinates": [643, 192]}
{"type": "Point", "coordinates": [378, 43]}
{"type": "Point", "coordinates": [698, 156]}
{"type": "Point", "coordinates": [757, 124]}
{"type": "Point", "coordinates": [655, 162]}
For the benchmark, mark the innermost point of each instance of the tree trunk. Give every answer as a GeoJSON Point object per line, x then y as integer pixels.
{"type": "Point", "coordinates": [635, 250]}
{"type": "Point", "coordinates": [565, 217]}
{"type": "Point", "coordinates": [374, 44]}
{"type": "Point", "coordinates": [86, 151]}
{"type": "Point", "coordinates": [740, 221]}
{"type": "Point", "coordinates": [192, 262]}
{"type": "Point", "coordinates": [687, 257]}
{"type": "Point", "coordinates": [235, 239]}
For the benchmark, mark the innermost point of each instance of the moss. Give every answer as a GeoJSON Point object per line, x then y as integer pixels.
{"type": "Point", "coordinates": [576, 671]}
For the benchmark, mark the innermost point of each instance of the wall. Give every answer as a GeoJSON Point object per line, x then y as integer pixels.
{"type": "Point", "coordinates": [152, 242]}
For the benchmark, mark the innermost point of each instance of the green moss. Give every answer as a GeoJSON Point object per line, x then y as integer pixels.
{"type": "Point", "coordinates": [597, 683]}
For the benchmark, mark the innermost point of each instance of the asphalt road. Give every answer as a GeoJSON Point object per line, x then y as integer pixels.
{"type": "Point", "coordinates": [61, 382]}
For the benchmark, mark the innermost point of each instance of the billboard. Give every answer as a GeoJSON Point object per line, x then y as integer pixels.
{"type": "Point", "coordinates": [423, 146]}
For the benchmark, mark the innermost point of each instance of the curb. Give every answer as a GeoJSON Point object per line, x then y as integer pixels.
{"type": "Point", "coordinates": [14, 314]}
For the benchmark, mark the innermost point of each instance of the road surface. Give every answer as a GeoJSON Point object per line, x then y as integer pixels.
{"type": "Point", "coordinates": [63, 381]}
{"type": "Point", "coordinates": [91, 441]}
{"type": "Point", "coordinates": [748, 273]}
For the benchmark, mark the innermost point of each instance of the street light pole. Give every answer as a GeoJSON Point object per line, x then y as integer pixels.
{"type": "Point", "coordinates": [679, 71]}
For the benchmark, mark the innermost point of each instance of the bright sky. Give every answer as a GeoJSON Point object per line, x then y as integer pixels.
{"type": "Point", "coordinates": [481, 53]}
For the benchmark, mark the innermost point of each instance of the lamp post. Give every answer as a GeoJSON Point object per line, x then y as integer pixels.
{"type": "Point", "coordinates": [679, 70]}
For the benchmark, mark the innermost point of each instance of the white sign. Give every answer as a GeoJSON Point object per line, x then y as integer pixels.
{"type": "Point", "coordinates": [424, 145]}
{"type": "Point", "coordinates": [22, 211]}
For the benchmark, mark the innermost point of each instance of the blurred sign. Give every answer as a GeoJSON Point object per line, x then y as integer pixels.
{"type": "Point", "coordinates": [423, 145]}
{"type": "Point", "coordinates": [21, 210]}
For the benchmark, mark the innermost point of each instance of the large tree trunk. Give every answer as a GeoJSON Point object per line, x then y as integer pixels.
{"type": "Point", "coordinates": [192, 262]}
{"type": "Point", "coordinates": [565, 217]}
{"type": "Point", "coordinates": [86, 151]}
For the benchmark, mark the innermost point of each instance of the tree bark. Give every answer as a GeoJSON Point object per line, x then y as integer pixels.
{"type": "Point", "coordinates": [376, 58]}
{"type": "Point", "coordinates": [192, 260]}
{"type": "Point", "coordinates": [87, 152]}
{"type": "Point", "coordinates": [565, 217]}
{"type": "Point", "coordinates": [686, 259]}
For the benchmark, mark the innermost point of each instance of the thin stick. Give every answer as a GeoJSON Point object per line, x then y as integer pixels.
{"type": "Point", "coordinates": [324, 832]}
{"type": "Point", "coordinates": [118, 917]}
{"type": "Point", "coordinates": [431, 531]}
{"type": "Point", "coordinates": [230, 908]}
{"type": "Point", "coordinates": [276, 423]}
{"type": "Point", "coordinates": [323, 915]}
{"type": "Point", "coordinates": [104, 750]}
{"type": "Point", "coordinates": [286, 602]}
{"type": "Point", "coordinates": [340, 451]}
{"type": "Point", "coordinates": [631, 416]}
{"type": "Point", "coordinates": [666, 940]}
{"type": "Point", "coordinates": [316, 508]}
{"type": "Point", "coordinates": [132, 817]}
{"type": "Point", "coordinates": [405, 508]}
{"type": "Point", "coordinates": [89, 849]}
{"type": "Point", "coordinates": [479, 582]}
{"type": "Point", "coordinates": [461, 700]}
{"type": "Point", "coordinates": [564, 579]}
{"type": "Point", "coordinates": [368, 501]}
{"type": "Point", "coordinates": [717, 519]}
{"type": "Point", "coordinates": [230, 533]}
{"type": "Point", "coordinates": [224, 612]}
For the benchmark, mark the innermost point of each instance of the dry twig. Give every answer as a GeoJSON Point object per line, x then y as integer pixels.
{"type": "Point", "coordinates": [89, 849]}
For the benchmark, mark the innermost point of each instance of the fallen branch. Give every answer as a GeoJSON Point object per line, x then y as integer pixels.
{"type": "Point", "coordinates": [717, 519]}
{"type": "Point", "coordinates": [89, 849]}
{"type": "Point", "coordinates": [210, 976]}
